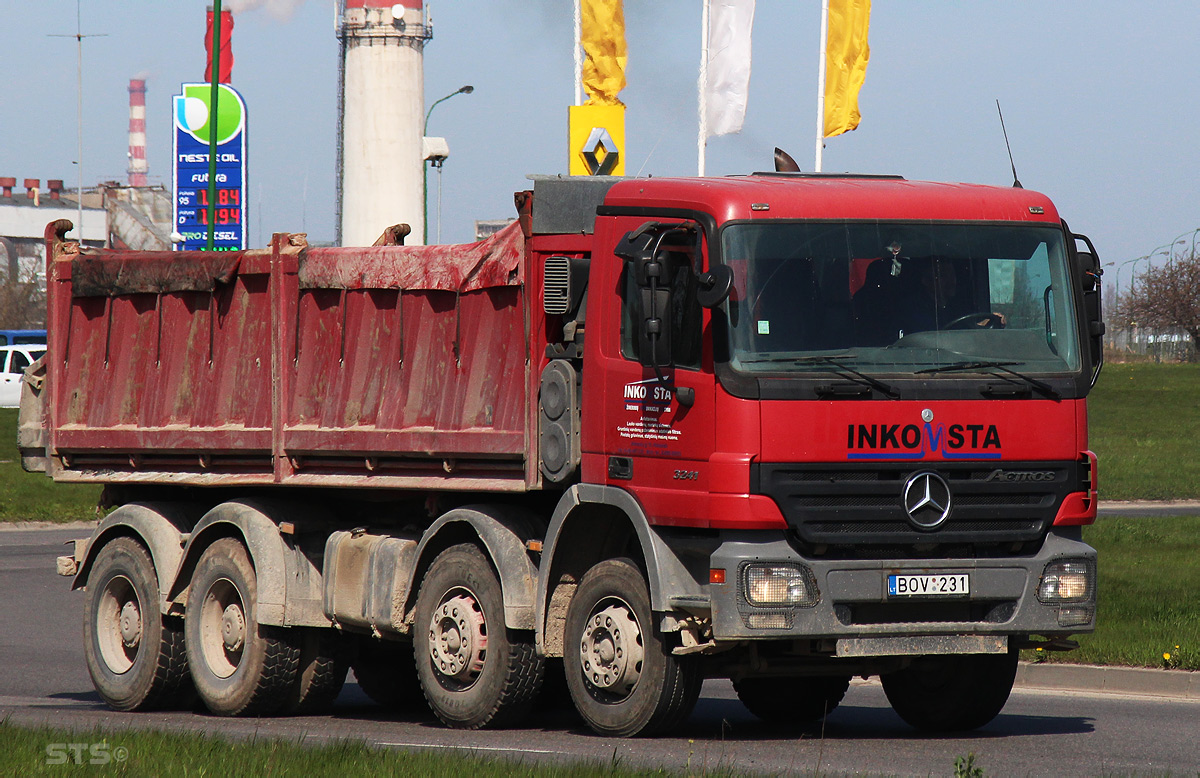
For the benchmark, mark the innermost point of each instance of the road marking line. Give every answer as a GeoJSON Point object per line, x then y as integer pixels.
{"type": "Point", "coordinates": [471, 748]}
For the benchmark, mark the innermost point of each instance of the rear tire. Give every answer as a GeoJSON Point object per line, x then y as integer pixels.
{"type": "Point", "coordinates": [623, 678]}
{"type": "Point", "coordinates": [385, 672]}
{"type": "Point", "coordinates": [473, 671]}
{"type": "Point", "coordinates": [322, 672]}
{"type": "Point", "coordinates": [239, 667]}
{"type": "Point", "coordinates": [135, 655]}
{"type": "Point", "coordinates": [797, 700]}
{"type": "Point", "coordinates": [952, 693]}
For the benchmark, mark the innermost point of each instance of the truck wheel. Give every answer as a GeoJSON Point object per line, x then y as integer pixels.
{"type": "Point", "coordinates": [623, 678]}
{"type": "Point", "coordinates": [134, 654]}
{"type": "Point", "coordinates": [951, 693]}
{"type": "Point", "coordinates": [385, 672]}
{"type": "Point", "coordinates": [792, 700]}
{"type": "Point", "coordinates": [240, 667]}
{"type": "Point", "coordinates": [474, 672]}
{"type": "Point", "coordinates": [321, 674]}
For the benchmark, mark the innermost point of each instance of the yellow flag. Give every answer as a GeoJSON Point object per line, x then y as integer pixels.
{"type": "Point", "coordinates": [846, 55]}
{"type": "Point", "coordinates": [603, 23]}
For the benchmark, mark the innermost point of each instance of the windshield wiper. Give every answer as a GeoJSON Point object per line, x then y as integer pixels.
{"type": "Point", "coordinates": [1041, 386]}
{"type": "Point", "coordinates": [843, 370]}
{"type": "Point", "coordinates": [847, 372]}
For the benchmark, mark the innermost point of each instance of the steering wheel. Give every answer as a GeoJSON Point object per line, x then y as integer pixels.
{"type": "Point", "coordinates": [980, 319]}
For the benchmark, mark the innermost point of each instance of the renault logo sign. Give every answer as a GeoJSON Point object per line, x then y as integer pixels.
{"type": "Point", "coordinates": [596, 140]}
{"type": "Point", "coordinates": [600, 153]}
{"type": "Point", "coordinates": [926, 500]}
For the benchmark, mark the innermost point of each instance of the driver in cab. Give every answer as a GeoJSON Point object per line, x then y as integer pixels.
{"type": "Point", "coordinates": [938, 303]}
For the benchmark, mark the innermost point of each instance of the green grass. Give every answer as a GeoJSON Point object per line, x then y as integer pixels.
{"type": "Point", "coordinates": [27, 751]}
{"type": "Point", "coordinates": [1147, 601]}
{"type": "Point", "coordinates": [33, 496]}
{"type": "Point", "coordinates": [1145, 420]}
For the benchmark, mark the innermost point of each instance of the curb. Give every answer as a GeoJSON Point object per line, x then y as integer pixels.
{"type": "Point", "coordinates": [1148, 508]}
{"type": "Point", "coordinates": [1104, 679]}
{"type": "Point", "coordinates": [31, 526]}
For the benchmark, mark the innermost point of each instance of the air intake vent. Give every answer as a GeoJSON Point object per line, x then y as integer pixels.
{"type": "Point", "coordinates": [556, 285]}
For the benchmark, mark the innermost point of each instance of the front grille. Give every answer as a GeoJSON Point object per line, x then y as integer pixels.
{"type": "Point", "coordinates": [855, 510]}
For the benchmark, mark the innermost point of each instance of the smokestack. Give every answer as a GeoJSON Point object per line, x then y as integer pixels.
{"type": "Point", "coordinates": [55, 186]}
{"type": "Point", "coordinates": [137, 133]}
{"type": "Point", "coordinates": [6, 186]}
{"type": "Point", "coordinates": [31, 187]}
{"type": "Point", "coordinates": [381, 119]}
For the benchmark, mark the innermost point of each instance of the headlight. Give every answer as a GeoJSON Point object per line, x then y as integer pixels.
{"type": "Point", "coordinates": [775, 585]}
{"type": "Point", "coordinates": [1068, 581]}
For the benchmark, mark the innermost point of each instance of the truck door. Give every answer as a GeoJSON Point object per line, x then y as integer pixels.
{"type": "Point", "coordinates": [658, 424]}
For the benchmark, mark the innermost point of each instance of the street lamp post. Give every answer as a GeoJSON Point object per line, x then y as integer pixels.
{"type": "Point", "coordinates": [462, 90]}
{"type": "Point", "coordinates": [1133, 272]}
{"type": "Point", "coordinates": [1121, 265]}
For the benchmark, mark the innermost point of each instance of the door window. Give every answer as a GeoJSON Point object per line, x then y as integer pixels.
{"type": "Point", "coordinates": [680, 255]}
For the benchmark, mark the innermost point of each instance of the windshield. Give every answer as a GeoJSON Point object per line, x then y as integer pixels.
{"type": "Point", "coordinates": [899, 298]}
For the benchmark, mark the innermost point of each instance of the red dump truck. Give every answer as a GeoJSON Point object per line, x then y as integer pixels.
{"type": "Point", "coordinates": [782, 429]}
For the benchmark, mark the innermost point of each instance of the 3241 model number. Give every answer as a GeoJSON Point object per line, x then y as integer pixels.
{"type": "Point", "coordinates": [687, 475]}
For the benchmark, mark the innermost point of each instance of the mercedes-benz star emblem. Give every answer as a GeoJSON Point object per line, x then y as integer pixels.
{"type": "Point", "coordinates": [926, 500]}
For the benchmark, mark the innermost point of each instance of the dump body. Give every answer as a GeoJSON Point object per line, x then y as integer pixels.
{"type": "Point", "coordinates": [386, 366]}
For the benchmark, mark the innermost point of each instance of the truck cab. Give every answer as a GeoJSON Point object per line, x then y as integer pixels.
{"type": "Point", "coordinates": [854, 407]}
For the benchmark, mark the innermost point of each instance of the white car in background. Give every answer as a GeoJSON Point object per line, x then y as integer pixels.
{"type": "Point", "coordinates": [13, 361]}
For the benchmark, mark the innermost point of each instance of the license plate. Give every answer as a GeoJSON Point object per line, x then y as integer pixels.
{"type": "Point", "coordinates": [947, 585]}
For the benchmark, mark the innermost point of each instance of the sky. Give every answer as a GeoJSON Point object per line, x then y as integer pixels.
{"type": "Point", "coordinates": [1099, 98]}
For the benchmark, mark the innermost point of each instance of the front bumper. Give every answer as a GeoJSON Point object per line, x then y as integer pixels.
{"type": "Point", "coordinates": [853, 606]}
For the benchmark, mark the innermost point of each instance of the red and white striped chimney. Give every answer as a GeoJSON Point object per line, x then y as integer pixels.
{"type": "Point", "coordinates": [137, 132]}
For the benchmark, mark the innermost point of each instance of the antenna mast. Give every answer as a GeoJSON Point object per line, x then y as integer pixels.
{"type": "Point", "coordinates": [1016, 181]}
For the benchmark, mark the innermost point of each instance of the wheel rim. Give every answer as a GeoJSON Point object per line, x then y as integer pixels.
{"type": "Point", "coordinates": [458, 639]}
{"type": "Point", "coordinates": [119, 624]}
{"type": "Point", "coordinates": [223, 629]}
{"type": "Point", "coordinates": [612, 651]}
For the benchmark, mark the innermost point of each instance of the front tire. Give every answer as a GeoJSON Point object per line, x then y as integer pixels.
{"type": "Point", "coordinates": [473, 671]}
{"type": "Point", "coordinates": [952, 693]}
{"type": "Point", "coordinates": [134, 654]}
{"type": "Point", "coordinates": [797, 700]}
{"type": "Point", "coordinates": [623, 678]}
{"type": "Point", "coordinates": [240, 667]}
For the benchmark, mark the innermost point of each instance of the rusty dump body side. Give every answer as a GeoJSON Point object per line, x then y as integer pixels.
{"type": "Point", "coordinates": [388, 366]}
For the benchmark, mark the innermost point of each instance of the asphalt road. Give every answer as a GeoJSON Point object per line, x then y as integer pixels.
{"type": "Point", "coordinates": [43, 681]}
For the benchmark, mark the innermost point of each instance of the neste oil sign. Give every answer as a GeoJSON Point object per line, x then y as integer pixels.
{"type": "Point", "coordinates": [192, 122]}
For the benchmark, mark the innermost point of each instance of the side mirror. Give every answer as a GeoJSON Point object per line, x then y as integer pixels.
{"type": "Point", "coordinates": [1090, 271]}
{"type": "Point", "coordinates": [714, 286]}
{"type": "Point", "coordinates": [654, 340]}
{"type": "Point", "coordinates": [641, 249]}
{"type": "Point", "coordinates": [637, 246]}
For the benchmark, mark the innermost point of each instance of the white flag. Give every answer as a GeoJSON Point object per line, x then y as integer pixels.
{"type": "Point", "coordinates": [727, 84]}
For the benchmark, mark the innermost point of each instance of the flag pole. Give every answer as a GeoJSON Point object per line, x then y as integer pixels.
{"type": "Point", "coordinates": [578, 48]}
{"type": "Point", "coordinates": [821, 83]}
{"type": "Point", "coordinates": [213, 123]}
{"type": "Point", "coordinates": [702, 140]}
